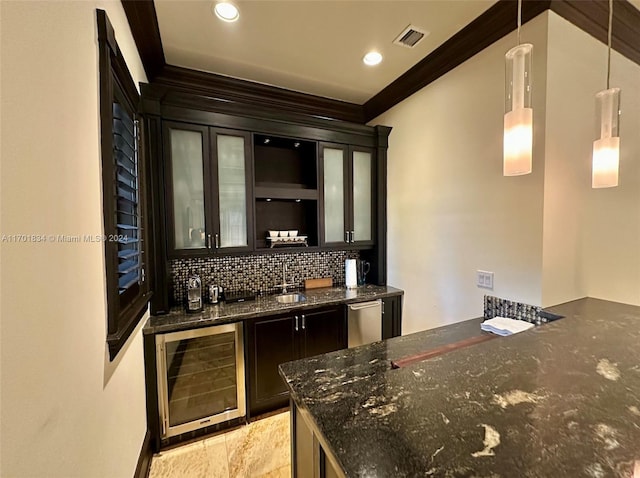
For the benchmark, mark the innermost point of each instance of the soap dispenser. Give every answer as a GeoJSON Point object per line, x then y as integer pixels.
{"type": "Point", "coordinates": [194, 293]}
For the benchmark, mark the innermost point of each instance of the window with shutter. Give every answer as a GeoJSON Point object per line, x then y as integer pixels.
{"type": "Point", "coordinates": [122, 192]}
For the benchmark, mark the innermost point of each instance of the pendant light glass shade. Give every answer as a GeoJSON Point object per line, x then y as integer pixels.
{"type": "Point", "coordinates": [518, 118]}
{"type": "Point", "coordinates": [606, 148]}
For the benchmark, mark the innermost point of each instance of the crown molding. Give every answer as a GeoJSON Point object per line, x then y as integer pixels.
{"type": "Point", "coordinates": [498, 21]}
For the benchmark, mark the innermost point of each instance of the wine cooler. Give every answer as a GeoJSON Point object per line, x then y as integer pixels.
{"type": "Point", "coordinates": [200, 378]}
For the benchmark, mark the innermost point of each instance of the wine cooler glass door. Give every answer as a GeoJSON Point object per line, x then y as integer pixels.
{"type": "Point", "coordinates": [201, 377]}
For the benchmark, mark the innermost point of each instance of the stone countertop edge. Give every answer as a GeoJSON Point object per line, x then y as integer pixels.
{"type": "Point", "coordinates": [562, 387]}
{"type": "Point", "coordinates": [383, 353]}
{"type": "Point", "coordinates": [263, 306]}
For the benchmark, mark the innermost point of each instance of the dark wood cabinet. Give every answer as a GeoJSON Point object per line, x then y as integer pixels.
{"type": "Point", "coordinates": [275, 340]}
{"type": "Point", "coordinates": [286, 189]}
{"type": "Point", "coordinates": [272, 341]}
{"type": "Point", "coordinates": [323, 331]}
{"type": "Point", "coordinates": [391, 316]}
{"type": "Point", "coordinates": [186, 166]}
{"type": "Point", "coordinates": [348, 177]}
{"type": "Point", "coordinates": [283, 188]}
{"type": "Point", "coordinates": [208, 178]}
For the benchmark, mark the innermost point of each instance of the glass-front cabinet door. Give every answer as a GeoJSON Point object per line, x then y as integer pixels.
{"type": "Point", "coordinates": [232, 185]}
{"type": "Point", "coordinates": [348, 182]}
{"type": "Point", "coordinates": [186, 168]}
{"type": "Point", "coordinates": [362, 196]}
{"type": "Point", "coordinates": [335, 194]}
{"type": "Point", "coordinates": [208, 173]}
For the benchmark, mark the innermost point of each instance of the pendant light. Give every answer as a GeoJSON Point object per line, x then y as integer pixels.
{"type": "Point", "coordinates": [518, 117]}
{"type": "Point", "coordinates": [606, 149]}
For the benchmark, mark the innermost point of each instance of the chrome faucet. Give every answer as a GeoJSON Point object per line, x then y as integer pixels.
{"type": "Point", "coordinates": [284, 284]}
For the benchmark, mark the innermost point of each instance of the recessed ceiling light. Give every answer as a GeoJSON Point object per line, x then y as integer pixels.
{"type": "Point", "coordinates": [226, 11]}
{"type": "Point", "coordinates": [372, 58]}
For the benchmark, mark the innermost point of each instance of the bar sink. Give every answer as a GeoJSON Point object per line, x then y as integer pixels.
{"type": "Point", "coordinates": [290, 298]}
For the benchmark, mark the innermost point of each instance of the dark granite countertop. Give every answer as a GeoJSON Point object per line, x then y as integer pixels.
{"type": "Point", "coordinates": [562, 399]}
{"type": "Point", "coordinates": [178, 319]}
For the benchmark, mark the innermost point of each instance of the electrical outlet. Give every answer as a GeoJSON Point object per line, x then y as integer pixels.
{"type": "Point", "coordinates": [484, 279]}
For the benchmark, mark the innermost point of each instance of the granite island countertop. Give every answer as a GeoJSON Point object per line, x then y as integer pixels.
{"type": "Point", "coordinates": [562, 399]}
{"type": "Point", "coordinates": [222, 313]}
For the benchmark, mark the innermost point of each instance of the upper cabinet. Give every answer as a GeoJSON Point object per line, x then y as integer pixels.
{"type": "Point", "coordinates": [286, 191]}
{"type": "Point", "coordinates": [348, 207]}
{"type": "Point", "coordinates": [232, 182]}
{"type": "Point", "coordinates": [208, 189]}
{"type": "Point", "coordinates": [223, 176]}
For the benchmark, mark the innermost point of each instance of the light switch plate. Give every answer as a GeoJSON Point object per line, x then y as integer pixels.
{"type": "Point", "coordinates": [484, 279]}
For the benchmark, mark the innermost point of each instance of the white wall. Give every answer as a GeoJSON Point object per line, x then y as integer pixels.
{"type": "Point", "coordinates": [66, 411]}
{"type": "Point", "coordinates": [450, 210]}
{"type": "Point", "coordinates": [611, 246]}
{"type": "Point", "coordinates": [570, 125]}
{"type": "Point", "coordinates": [548, 237]}
{"type": "Point", "coordinates": [591, 236]}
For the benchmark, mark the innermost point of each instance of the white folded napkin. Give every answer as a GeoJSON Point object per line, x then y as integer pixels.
{"type": "Point", "coordinates": [504, 326]}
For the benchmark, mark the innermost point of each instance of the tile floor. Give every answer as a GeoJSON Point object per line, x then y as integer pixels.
{"type": "Point", "coordinates": [258, 450]}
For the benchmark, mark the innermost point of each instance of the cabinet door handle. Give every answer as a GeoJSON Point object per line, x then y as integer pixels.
{"type": "Point", "coordinates": [304, 322]}
{"type": "Point", "coordinates": [346, 236]}
{"type": "Point", "coordinates": [351, 237]}
{"type": "Point", "coordinates": [297, 328]}
{"type": "Point", "coordinates": [209, 241]}
{"type": "Point", "coordinates": [217, 241]}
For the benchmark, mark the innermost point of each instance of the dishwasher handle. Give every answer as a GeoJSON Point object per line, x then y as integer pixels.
{"type": "Point", "coordinates": [365, 305]}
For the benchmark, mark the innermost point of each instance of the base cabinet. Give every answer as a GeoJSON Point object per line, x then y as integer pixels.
{"type": "Point", "coordinates": [268, 342]}
{"type": "Point", "coordinates": [276, 340]}
{"type": "Point", "coordinates": [272, 341]}
{"type": "Point", "coordinates": [391, 317]}
{"type": "Point", "coordinates": [324, 331]}
{"type": "Point", "coordinates": [308, 458]}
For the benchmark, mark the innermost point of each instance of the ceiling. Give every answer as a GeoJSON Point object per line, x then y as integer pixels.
{"type": "Point", "coordinates": [310, 46]}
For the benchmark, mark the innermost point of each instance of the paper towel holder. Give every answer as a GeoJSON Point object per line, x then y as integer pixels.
{"type": "Point", "coordinates": [350, 274]}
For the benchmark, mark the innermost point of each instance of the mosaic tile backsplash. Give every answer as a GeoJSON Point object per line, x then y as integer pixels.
{"type": "Point", "coordinates": [259, 273]}
{"type": "Point", "coordinates": [494, 306]}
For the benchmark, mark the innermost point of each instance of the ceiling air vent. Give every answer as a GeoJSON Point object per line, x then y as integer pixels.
{"type": "Point", "coordinates": [410, 36]}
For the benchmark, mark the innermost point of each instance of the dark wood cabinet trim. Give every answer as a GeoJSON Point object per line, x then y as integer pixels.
{"type": "Point", "coordinates": [157, 242]}
{"type": "Point", "coordinates": [141, 15]}
{"type": "Point", "coordinates": [592, 16]}
{"type": "Point", "coordinates": [252, 93]}
{"type": "Point", "coordinates": [192, 107]}
{"type": "Point", "coordinates": [499, 20]}
{"type": "Point", "coordinates": [151, 388]}
{"type": "Point", "coordinates": [144, 459]}
{"type": "Point", "coordinates": [378, 271]}
{"type": "Point", "coordinates": [495, 23]}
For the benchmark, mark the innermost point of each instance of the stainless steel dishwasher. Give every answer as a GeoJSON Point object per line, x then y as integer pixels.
{"type": "Point", "coordinates": [365, 323]}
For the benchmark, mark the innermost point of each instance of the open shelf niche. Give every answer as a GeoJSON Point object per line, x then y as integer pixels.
{"type": "Point", "coordinates": [286, 188]}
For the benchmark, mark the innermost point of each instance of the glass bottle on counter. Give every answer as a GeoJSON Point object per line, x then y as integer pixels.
{"type": "Point", "coordinates": [194, 293]}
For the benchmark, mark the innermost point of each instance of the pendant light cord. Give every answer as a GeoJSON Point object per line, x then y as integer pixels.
{"type": "Point", "coordinates": [520, 20]}
{"type": "Point", "coordinates": [609, 43]}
